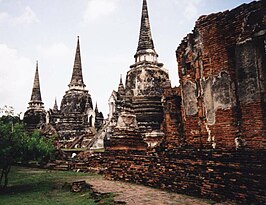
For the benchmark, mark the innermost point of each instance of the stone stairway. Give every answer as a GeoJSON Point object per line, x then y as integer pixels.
{"type": "Point", "coordinates": [99, 136]}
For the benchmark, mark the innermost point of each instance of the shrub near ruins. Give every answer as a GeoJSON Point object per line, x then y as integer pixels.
{"type": "Point", "coordinates": [16, 145]}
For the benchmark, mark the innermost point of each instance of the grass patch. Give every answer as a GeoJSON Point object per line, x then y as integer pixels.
{"type": "Point", "coordinates": [37, 186]}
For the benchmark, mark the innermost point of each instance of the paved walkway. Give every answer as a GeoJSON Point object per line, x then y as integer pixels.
{"type": "Point", "coordinates": [134, 194]}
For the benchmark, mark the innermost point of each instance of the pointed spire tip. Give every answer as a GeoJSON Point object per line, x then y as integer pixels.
{"type": "Point", "coordinates": [145, 37]}
{"type": "Point", "coordinates": [77, 78]}
{"type": "Point", "coordinates": [121, 79]}
{"type": "Point", "coordinates": [36, 92]}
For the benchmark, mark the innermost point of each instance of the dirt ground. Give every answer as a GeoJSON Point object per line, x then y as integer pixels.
{"type": "Point", "coordinates": [134, 194]}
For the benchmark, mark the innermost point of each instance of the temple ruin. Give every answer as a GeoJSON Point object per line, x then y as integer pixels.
{"type": "Point", "coordinates": [205, 137]}
{"type": "Point", "coordinates": [35, 116]}
{"type": "Point", "coordinates": [138, 107]}
{"type": "Point", "coordinates": [76, 122]}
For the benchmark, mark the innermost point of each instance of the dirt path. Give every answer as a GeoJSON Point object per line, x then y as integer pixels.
{"type": "Point", "coordinates": [134, 194]}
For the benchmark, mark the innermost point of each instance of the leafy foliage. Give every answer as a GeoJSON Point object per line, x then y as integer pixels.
{"type": "Point", "coordinates": [37, 147]}
{"type": "Point", "coordinates": [16, 145]}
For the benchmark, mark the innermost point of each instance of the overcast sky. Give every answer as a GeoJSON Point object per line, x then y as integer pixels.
{"type": "Point", "coordinates": [47, 30]}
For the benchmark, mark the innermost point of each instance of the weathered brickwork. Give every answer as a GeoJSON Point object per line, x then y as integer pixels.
{"type": "Point", "coordinates": [216, 174]}
{"type": "Point", "coordinates": [219, 175]}
{"type": "Point", "coordinates": [172, 124]}
{"type": "Point", "coordinates": [222, 70]}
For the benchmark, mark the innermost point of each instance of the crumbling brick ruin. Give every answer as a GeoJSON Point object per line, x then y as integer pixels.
{"type": "Point", "coordinates": [215, 122]}
{"type": "Point", "coordinates": [206, 137]}
{"type": "Point", "coordinates": [76, 122]}
{"type": "Point", "coordinates": [141, 97]}
{"type": "Point", "coordinates": [222, 78]}
{"type": "Point", "coordinates": [76, 116]}
{"type": "Point", "coordinates": [35, 115]}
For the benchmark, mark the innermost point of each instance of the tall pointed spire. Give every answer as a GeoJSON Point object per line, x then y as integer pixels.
{"type": "Point", "coordinates": [145, 51]}
{"type": "Point", "coordinates": [145, 38]}
{"type": "Point", "coordinates": [121, 82]}
{"type": "Point", "coordinates": [96, 108]}
{"type": "Point", "coordinates": [77, 78]}
{"type": "Point", "coordinates": [121, 88]}
{"type": "Point", "coordinates": [55, 108]}
{"type": "Point", "coordinates": [36, 98]}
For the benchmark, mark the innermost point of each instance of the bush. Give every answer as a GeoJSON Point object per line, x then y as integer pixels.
{"type": "Point", "coordinates": [16, 145]}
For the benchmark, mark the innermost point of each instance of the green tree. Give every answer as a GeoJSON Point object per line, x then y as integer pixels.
{"type": "Point", "coordinates": [16, 145]}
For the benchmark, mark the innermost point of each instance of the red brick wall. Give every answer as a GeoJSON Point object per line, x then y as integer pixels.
{"type": "Point", "coordinates": [214, 174]}
{"type": "Point", "coordinates": [218, 175]}
{"type": "Point", "coordinates": [172, 124]}
{"type": "Point", "coordinates": [225, 47]}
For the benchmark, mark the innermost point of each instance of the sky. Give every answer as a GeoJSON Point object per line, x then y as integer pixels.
{"type": "Point", "coordinates": [47, 31]}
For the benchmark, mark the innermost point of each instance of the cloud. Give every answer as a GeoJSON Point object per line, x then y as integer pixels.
{"type": "Point", "coordinates": [99, 8]}
{"type": "Point", "coordinates": [27, 17]}
{"type": "Point", "coordinates": [189, 8]}
{"type": "Point", "coordinates": [16, 73]}
{"type": "Point", "coordinates": [3, 16]}
{"type": "Point", "coordinates": [57, 50]}
{"type": "Point", "coordinates": [55, 63]}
